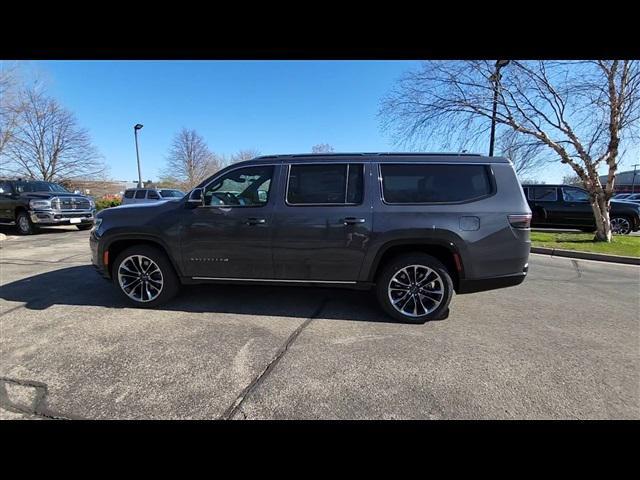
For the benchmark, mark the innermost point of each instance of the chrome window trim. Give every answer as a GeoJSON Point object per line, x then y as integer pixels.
{"type": "Point", "coordinates": [286, 193]}
{"type": "Point", "coordinates": [492, 181]}
{"type": "Point", "coordinates": [204, 188]}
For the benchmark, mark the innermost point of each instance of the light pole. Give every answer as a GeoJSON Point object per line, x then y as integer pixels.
{"type": "Point", "coordinates": [137, 127]}
{"type": "Point", "coordinates": [633, 182]}
{"type": "Point", "coordinates": [496, 82]}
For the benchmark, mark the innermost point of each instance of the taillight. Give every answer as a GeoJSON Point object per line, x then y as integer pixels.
{"type": "Point", "coordinates": [520, 221]}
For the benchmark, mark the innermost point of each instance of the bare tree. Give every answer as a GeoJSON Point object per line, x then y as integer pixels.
{"type": "Point", "coordinates": [47, 143]}
{"type": "Point", "coordinates": [526, 155]}
{"type": "Point", "coordinates": [572, 180]}
{"type": "Point", "coordinates": [243, 155]}
{"type": "Point", "coordinates": [580, 111]}
{"type": "Point", "coordinates": [322, 148]}
{"type": "Point", "coordinates": [190, 161]}
{"type": "Point", "coordinates": [10, 104]}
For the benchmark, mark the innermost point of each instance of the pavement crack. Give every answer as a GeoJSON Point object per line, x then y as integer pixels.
{"type": "Point", "coordinates": [577, 267]}
{"type": "Point", "coordinates": [37, 407]}
{"type": "Point", "coordinates": [237, 403]}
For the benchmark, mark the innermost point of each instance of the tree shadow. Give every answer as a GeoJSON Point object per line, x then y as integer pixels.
{"type": "Point", "coordinates": [82, 286]}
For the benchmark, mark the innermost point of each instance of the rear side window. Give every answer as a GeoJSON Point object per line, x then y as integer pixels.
{"type": "Point", "coordinates": [153, 195]}
{"type": "Point", "coordinates": [330, 184]}
{"type": "Point", "coordinates": [433, 183]}
{"type": "Point", "coordinates": [141, 193]}
{"type": "Point", "coordinates": [543, 194]}
{"type": "Point", "coordinates": [129, 193]}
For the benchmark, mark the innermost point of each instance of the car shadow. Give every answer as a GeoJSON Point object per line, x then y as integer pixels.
{"type": "Point", "coordinates": [82, 286]}
{"type": "Point", "coordinates": [12, 230]}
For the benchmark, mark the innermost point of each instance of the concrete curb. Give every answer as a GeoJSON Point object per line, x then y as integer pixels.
{"type": "Point", "coordinates": [600, 257]}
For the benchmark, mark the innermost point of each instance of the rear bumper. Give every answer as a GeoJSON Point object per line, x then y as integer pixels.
{"type": "Point", "coordinates": [492, 283]}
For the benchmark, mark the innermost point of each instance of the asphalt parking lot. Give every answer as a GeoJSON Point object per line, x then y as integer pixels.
{"type": "Point", "coordinates": [565, 344]}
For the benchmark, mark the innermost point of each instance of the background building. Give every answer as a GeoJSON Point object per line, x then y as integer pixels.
{"type": "Point", "coordinates": [625, 181]}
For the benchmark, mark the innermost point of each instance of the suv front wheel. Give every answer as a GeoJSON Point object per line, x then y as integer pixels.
{"type": "Point", "coordinates": [415, 288]}
{"type": "Point", "coordinates": [144, 276]}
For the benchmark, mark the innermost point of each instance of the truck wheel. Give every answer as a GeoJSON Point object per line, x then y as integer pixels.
{"type": "Point", "coordinates": [144, 276]}
{"type": "Point", "coordinates": [415, 288]}
{"type": "Point", "coordinates": [24, 224]}
{"type": "Point", "coordinates": [621, 225]}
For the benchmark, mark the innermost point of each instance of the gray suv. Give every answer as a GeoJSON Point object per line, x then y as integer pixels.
{"type": "Point", "coordinates": [415, 227]}
{"type": "Point", "coordinates": [150, 195]}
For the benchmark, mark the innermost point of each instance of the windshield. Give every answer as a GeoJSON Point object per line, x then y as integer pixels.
{"type": "Point", "coordinates": [171, 194]}
{"type": "Point", "coordinates": [38, 186]}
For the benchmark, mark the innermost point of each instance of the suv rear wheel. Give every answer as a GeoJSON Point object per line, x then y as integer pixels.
{"type": "Point", "coordinates": [144, 276]}
{"type": "Point", "coordinates": [415, 288]}
{"type": "Point", "coordinates": [621, 225]}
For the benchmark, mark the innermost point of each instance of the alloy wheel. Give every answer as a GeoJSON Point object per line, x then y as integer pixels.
{"type": "Point", "coordinates": [140, 278]}
{"type": "Point", "coordinates": [415, 290]}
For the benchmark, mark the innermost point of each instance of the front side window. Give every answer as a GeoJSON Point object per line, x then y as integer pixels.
{"type": "Point", "coordinates": [574, 195]}
{"type": "Point", "coordinates": [330, 184]}
{"type": "Point", "coordinates": [171, 194]}
{"type": "Point", "coordinates": [141, 194]}
{"type": "Point", "coordinates": [244, 187]}
{"type": "Point", "coordinates": [543, 194]}
{"type": "Point", "coordinates": [434, 183]}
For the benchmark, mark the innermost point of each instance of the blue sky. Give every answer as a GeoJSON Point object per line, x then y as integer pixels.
{"type": "Point", "coordinates": [270, 106]}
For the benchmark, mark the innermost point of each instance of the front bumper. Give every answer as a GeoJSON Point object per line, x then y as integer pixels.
{"type": "Point", "coordinates": [53, 217]}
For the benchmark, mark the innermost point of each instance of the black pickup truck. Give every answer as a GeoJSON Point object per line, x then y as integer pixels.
{"type": "Point", "coordinates": [565, 206]}
{"type": "Point", "coordinates": [30, 204]}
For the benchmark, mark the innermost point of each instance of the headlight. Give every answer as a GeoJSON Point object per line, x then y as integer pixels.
{"type": "Point", "coordinates": [40, 204]}
{"type": "Point", "coordinates": [92, 204]}
{"type": "Point", "coordinates": [96, 223]}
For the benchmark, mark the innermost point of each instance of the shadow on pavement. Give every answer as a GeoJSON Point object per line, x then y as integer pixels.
{"type": "Point", "coordinates": [11, 230]}
{"type": "Point", "coordinates": [81, 285]}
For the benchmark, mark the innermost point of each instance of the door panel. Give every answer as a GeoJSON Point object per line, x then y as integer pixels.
{"type": "Point", "coordinates": [230, 237]}
{"type": "Point", "coordinates": [575, 207]}
{"type": "Point", "coordinates": [322, 242]}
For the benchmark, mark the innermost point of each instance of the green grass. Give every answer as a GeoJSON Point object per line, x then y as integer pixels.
{"type": "Point", "coordinates": [624, 245]}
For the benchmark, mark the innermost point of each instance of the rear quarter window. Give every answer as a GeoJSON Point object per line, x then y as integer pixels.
{"type": "Point", "coordinates": [129, 193]}
{"type": "Point", "coordinates": [435, 183]}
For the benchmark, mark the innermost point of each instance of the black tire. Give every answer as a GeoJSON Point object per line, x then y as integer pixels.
{"type": "Point", "coordinates": [394, 267]}
{"type": "Point", "coordinates": [170, 282]}
{"type": "Point", "coordinates": [84, 227]}
{"type": "Point", "coordinates": [24, 224]}
{"type": "Point", "coordinates": [623, 222]}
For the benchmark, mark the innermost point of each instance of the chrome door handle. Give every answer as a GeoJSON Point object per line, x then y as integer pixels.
{"type": "Point", "coordinates": [255, 221]}
{"type": "Point", "coordinates": [353, 220]}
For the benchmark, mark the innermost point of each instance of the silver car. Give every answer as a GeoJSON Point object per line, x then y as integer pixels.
{"type": "Point", "coordinates": [150, 195]}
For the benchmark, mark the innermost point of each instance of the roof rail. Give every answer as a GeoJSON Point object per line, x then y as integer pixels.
{"type": "Point", "coordinates": [397, 154]}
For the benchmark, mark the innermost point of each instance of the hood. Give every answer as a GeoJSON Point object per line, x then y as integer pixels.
{"type": "Point", "coordinates": [51, 195]}
{"type": "Point", "coordinates": [143, 208]}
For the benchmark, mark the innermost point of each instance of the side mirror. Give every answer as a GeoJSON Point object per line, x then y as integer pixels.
{"type": "Point", "coordinates": [196, 197]}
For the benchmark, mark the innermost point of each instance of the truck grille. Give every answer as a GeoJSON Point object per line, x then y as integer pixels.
{"type": "Point", "coordinates": [71, 203]}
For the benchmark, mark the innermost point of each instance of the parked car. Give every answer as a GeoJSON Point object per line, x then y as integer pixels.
{"type": "Point", "coordinates": [416, 227]}
{"type": "Point", "coordinates": [565, 206]}
{"type": "Point", "coordinates": [150, 195]}
{"type": "Point", "coordinates": [30, 204]}
{"type": "Point", "coordinates": [620, 196]}
{"type": "Point", "coordinates": [632, 197]}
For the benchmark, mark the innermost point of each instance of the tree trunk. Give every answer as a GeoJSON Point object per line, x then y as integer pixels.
{"type": "Point", "coordinates": [603, 224]}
